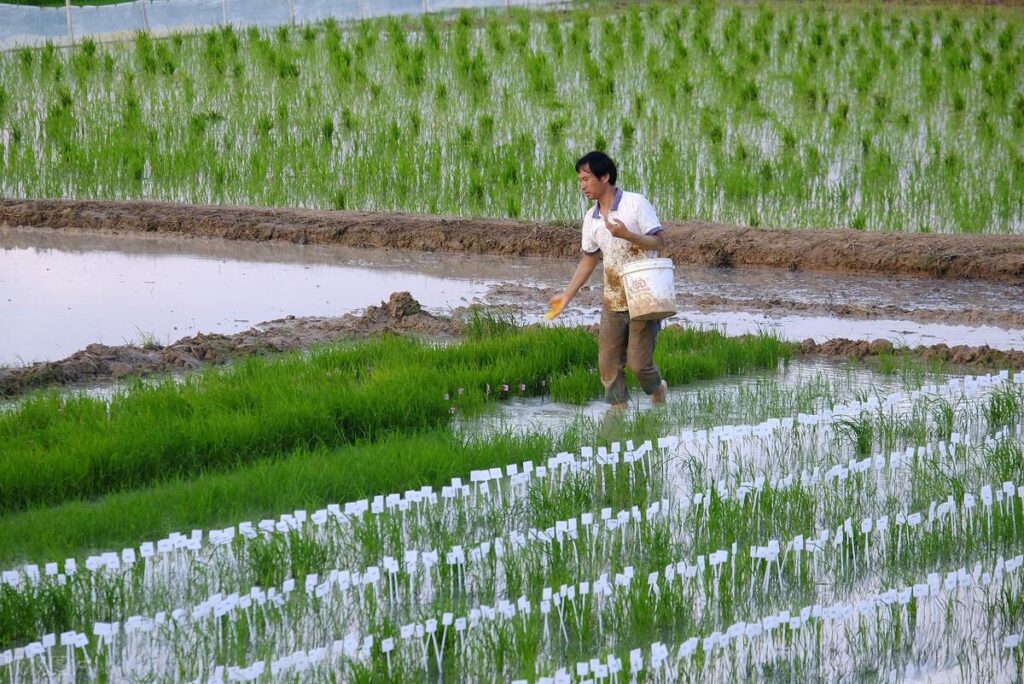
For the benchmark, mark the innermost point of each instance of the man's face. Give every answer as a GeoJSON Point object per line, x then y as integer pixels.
{"type": "Point", "coordinates": [592, 186]}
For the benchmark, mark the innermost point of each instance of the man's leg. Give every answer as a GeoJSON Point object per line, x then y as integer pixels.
{"type": "Point", "coordinates": [640, 357]}
{"type": "Point", "coordinates": [612, 339]}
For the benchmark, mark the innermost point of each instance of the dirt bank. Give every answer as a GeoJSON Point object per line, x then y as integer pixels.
{"type": "Point", "coordinates": [401, 314]}
{"type": "Point", "coordinates": [997, 258]}
{"type": "Point", "coordinates": [981, 358]}
{"type": "Point", "coordinates": [99, 363]}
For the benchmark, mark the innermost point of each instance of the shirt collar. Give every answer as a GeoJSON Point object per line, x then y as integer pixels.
{"type": "Point", "coordinates": [615, 203]}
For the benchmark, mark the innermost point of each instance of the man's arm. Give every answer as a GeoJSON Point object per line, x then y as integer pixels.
{"type": "Point", "coordinates": [584, 269]}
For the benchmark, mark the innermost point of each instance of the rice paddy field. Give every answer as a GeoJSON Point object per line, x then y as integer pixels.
{"type": "Point", "coordinates": [321, 517]}
{"type": "Point", "coordinates": [464, 509]}
{"type": "Point", "coordinates": [783, 114]}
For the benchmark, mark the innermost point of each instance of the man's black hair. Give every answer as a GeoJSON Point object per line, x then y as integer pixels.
{"type": "Point", "coordinates": [600, 165]}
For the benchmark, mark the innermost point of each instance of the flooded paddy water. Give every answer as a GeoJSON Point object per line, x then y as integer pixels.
{"type": "Point", "coordinates": [753, 395]}
{"type": "Point", "coordinates": [60, 291]}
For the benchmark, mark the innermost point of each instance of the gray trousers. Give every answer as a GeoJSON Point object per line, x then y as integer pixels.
{"type": "Point", "coordinates": [623, 343]}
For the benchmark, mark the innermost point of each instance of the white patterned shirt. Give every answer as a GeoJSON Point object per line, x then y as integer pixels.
{"type": "Point", "coordinates": [638, 215]}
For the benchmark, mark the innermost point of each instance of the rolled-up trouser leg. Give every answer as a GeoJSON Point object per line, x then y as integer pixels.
{"type": "Point", "coordinates": [640, 354]}
{"type": "Point", "coordinates": [612, 340]}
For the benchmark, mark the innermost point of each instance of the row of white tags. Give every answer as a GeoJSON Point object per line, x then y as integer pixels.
{"type": "Point", "coordinates": [219, 606]}
{"type": "Point", "coordinates": [345, 581]}
{"type": "Point", "coordinates": [421, 635]}
{"type": "Point", "coordinates": [450, 495]}
{"type": "Point", "coordinates": [112, 562]}
{"type": "Point", "coordinates": [839, 474]}
{"type": "Point", "coordinates": [176, 542]}
{"type": "Point", "coordinates": [738, 632]}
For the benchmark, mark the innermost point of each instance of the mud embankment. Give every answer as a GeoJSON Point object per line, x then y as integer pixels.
{"type": "Point", "coordinates": [996, 258]}
{"type": "Point", "coordinates": [401, 314]}
{"type": "Point", "coordinates": [962, 356]}
{"type": "Point", "coordinates": [99, 363]}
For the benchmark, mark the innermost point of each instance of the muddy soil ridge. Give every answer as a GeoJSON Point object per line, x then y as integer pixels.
{"type": "Point", "coordinates": [100, 363]}
{"type": "Point", "coordinates": [995, 258]}
{"type": "Point", "coordinates": [961, 355]}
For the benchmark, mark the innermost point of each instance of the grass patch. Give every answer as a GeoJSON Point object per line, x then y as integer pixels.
{"type": "Point", "coordinates": [59, 448]}
{"type": "Point", "coordinates": [299, 480]}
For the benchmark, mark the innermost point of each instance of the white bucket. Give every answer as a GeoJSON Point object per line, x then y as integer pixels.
{"type": "Point", "coordinates": [650, 289]}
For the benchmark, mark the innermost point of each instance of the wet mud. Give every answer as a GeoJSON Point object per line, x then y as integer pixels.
{"type": "Point", "coordinates": [981, 357]}
{"type": "Point", "coordinates": [99, 363]}
{"type": "Point", "coordinates": [994, 258]}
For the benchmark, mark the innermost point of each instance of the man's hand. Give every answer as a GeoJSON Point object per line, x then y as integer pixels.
{"type": "Point", "coordinates": [618, 229]}
{"type": "Point", "coordinates": [586, 266]}
{"type": "Point", "coordinates": [556, 304]}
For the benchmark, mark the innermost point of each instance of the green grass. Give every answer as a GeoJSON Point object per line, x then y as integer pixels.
{"type": "Point", "coordinates": [58, 448]}
{"type": "Point", "coordinates": [783, 114]}
{"type": "Point", "coordinates": [298, 480]}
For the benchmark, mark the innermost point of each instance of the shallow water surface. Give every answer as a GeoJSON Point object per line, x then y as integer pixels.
{"type": "Point", "coordinates": [63, 290]}
{"type": "Point", "coordinates": [822, 328]}
{"type": "Point", "coordinates": [538, 414]}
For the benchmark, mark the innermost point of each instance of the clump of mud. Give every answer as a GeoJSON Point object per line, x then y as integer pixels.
{"type": "Point", "coordinates": [959, 355]}
{"type": "Point", "coordinates": [99, 363]}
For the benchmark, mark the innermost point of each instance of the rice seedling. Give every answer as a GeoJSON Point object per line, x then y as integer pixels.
{"type": "Point", "coordinates": [745, 548]}
{"type": "Point", "coordinates": [841, 116]}
{"type": "Point", "coordinates": [60, 448]}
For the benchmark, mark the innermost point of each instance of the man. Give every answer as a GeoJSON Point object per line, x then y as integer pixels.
{"type": "Point", "coordinates": [622, 228]}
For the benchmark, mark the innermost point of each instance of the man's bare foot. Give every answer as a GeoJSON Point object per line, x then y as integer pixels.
{"type": "Point", "coordinates": [621, 406]}
{"type": "Point", "coordinates": [659, 394]}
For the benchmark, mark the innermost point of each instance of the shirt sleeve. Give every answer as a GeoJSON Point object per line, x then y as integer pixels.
{"type": "Point", "coordinates": [648, 223]}
{"type": "Point", "coordinates": [588, 245]}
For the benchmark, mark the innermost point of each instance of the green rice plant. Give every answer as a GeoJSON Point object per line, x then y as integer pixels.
{"type": "Point", "coordinates": [864, 85]}
{"type": "Point", "coordinates": [1007, 461]}
{"type": "Point", "coordinates": [23, 614]}
{"type": "Point", "coordinates": [856, 564]}
{"type": "Point", "coordinates": [490, 323]}
{"type": "Point", "coordinates": [576, 386]}
{"type": "Point", "coordinates": [258, 409]}
{"type": "Point", "coordinates": [694, 355]}
{"type": "Point", "coordinates": [858, 433]}
{"type": "Point", "coordinates": [943, 419]}
{"type": "Point", "coordinates": [305, 556]}
{"type": "Point", "coordinates": [1004, 407]}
